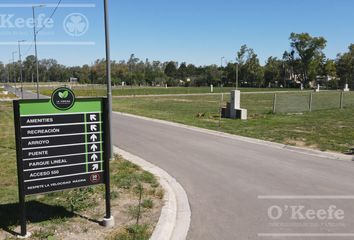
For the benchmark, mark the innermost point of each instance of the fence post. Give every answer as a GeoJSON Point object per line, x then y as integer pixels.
{"type": "Point", "coordinates": [310, 102]}
{"type": "Point", "coordinates": [341, 100]}
{"type": "Point", "coordinates": [220, 108]}
{"type": "Point", "coordinates": [274, 102]}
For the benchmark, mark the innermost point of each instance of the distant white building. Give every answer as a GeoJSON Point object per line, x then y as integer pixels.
{"type": "Point", "coordinates": [74, 80]}
{"type": "Point", "coordinates": [325, 78]}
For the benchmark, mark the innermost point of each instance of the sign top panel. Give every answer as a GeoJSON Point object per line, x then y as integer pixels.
{"type": "Point", "coordinates": [45, 107]}
{"type": "Point", "coordinates": [60, 149]}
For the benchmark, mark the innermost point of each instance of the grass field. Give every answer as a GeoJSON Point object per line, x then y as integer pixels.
{"type": "Point", "coordinates": [325, 130]}
{"type": "Point", "coordinates": [300, 101]}
{"type": "Point", "coordinates": [55, 215]}
{"type": "Point", "coordinates": [100, 90]}
{"type": "Point", "coordinates": [5, 96]}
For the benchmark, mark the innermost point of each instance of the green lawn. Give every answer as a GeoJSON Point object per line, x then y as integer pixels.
{"type": "Point", "coordinates": [95, 90]}
{"type": "Point", "coordinates": [2, 95]}
{"type": "Point", "coordinates": [53, 215]}
{"type": "Point", "coordinates": [300, 101]}
{"type": "Point", "coordinates": [325, 130]}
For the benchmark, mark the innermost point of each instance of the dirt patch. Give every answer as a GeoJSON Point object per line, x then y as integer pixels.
{"type": "Point", "coordinates": [295, 142]}
{"type": "Point", "coordinates": [76, 214]}
{"type": "Point", "coordinates": [180, 100]}
{"type": "Point", "coordinates": [299, 143]}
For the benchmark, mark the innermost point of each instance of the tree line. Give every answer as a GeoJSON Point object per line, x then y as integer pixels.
{"type": "Point", "coordinates": [305, 64]}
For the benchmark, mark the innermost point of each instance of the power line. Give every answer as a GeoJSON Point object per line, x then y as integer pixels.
{"type": "Point", "coordinates": [54, 11]}
{"type": "Point", "coordinates": [51, 16]}
{"type": "Point", "coordinates": [28, 49]}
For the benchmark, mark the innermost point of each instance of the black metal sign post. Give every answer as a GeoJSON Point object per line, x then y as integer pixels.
{"type": "Point", "coordinates": [21, 194]}
{"type": "Point", "coordinates": [108, 221]}
{"type": "Point", "coordinates": [62, 143]}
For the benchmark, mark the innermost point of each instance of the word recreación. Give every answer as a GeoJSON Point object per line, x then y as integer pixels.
{"type": "Point", "coordinates": [61, 151]}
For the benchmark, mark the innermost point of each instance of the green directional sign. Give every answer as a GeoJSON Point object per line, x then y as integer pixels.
{"type": "Point", "coordinates": [60, 149]}
{"type": "Point", "coordinates": [61, 143]}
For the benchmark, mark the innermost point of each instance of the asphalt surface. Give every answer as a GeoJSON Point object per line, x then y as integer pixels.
{"type": "Point", "coordinates": [226, 181]}
{"type": "Point", "coordinates": [236, 189]}
{"type": "Point", "coordinates": [26, 94]}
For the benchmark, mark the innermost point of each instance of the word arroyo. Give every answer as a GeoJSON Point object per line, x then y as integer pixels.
{"type": "Point", "coordinates": [300, 212]}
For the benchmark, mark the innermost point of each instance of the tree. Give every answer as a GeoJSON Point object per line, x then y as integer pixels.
{"type": "Point", "coordinates": [29, 68]}
{"type": "Point", "coordinates": [2, 72]}
{"type": "Point", "coordinates": [345, 67]}
{"type": "Point", "coordinates": [254, 71]}
{"type": "Point", "coordinates": [182, 71]}
{"type": "Point", "coordinates": [171, 69]}
{"type": "Point", "coordinates": [250, 70]}
{"type": "Point", "coordinates": [307, 48]}
{"type": "Point", "coordinates": [273, 72]}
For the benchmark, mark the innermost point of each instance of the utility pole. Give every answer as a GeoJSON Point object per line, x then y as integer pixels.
{"type": "Point", "coordinates": [222, 58]}
{"type": "Point", "coordinates": [236, 75]}
{"type": "Point", "coordinates": [20, 58]}
{"type": "Point", "coordinates": [35, 44]}
{"type": "Point", "coordinates": [8, 72]}
{"type": "Point", "coordinates": [13, 68]}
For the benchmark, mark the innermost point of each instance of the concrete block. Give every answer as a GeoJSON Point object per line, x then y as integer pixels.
{"type": "Point", "coordinates": [238, 114]}
{"type": "Point", "coordinates": [108, 222]}
{"type": "Point", "coordinates": [225, 113]}
{"type": "Point", "coordinates": [346, 88]}
{"type": "Point", "coordinates": [235, 99]}
{"type": "Point", "coordinates": [241, 114]}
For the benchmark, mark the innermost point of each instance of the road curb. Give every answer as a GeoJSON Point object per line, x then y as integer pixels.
{"type": "Point", "coordinates": [306, 151]}
{"type": "Point", "coordinates": [175, 215]}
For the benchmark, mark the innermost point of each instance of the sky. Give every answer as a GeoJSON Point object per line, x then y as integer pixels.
{"type": "Point", "coordinates": [200, 32]}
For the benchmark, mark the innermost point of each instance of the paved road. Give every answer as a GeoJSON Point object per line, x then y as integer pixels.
{"type": "Point", "coordinates": [226, 179]}
{"type": "Point", "coordinates": [26, 94]}
{"type": "Point", "coordinates": [229, 183]}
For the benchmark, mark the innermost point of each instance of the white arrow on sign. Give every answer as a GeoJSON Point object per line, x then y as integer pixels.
{"type": "Point", "coordinates": [93, 117]}
{"type": "Point", "coordinates": [93, 127]}
{"type": "Point", "coordinates": [93, 137]}
{"type": "Point", "coordinates": [94, 147]}
{"type": "Point", "coordinates": [94, 167]}
{"type": "Point", "coordinates": [94, 157]}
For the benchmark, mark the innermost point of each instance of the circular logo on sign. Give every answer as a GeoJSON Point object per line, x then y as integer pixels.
{"type": "Point", "coordinates": [63, 98]}
{"type": "Point", "coordinates": [76, 24]}
{"type": "Point", "coordinates": [95, 178]}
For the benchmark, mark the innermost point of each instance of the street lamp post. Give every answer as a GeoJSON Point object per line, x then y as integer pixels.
{"type": "Point", "coordinates": [9, 72]}
{"type": "Point", "coordinates": [13, 68]}
{"type": "Point", "coordinates": [222, 58]}
{"type": "Point", "coordinates": [236, 75]}
{"type": "Point", "coordinates": [20, 58]}
{"type": "Point", "coordinates": [35, 44]}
